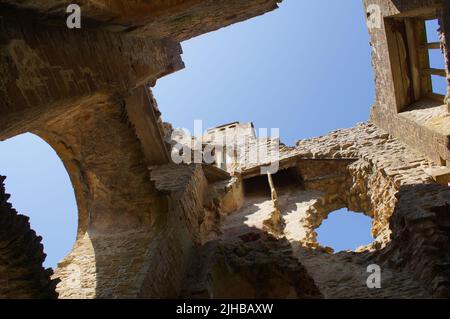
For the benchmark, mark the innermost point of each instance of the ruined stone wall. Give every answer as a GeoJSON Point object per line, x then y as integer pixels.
{"type": "Point", "coordinates": [385, 177]}
{"type": "Point", "coordinates": [435, 145]}
{"type": "Point", "coordinates": [134, 240]}
{"type": "Point", "coordinates": [115, 221]}
{"type": "Point", "coordinates": [41, 80]}
{"type": "Point", "coordinates": [187, 185]}
{"type": "Point", "coordinates": [362, 168]}
{"type": "Point", "coordinates": [157, 19]}
{"type": "Point", "coordinates": [152, 262]}
{"type": "Point", "coordinates": [21, 256]}
{"type": "Point", "coordinates": [381, 167]}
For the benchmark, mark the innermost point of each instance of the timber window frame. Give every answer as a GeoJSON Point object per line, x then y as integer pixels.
{"type": "Point", "coordinates": [409, 56]}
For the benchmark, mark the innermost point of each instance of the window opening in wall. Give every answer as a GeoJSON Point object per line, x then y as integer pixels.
{"type": "Point", "coordinates": [435, 59]}
{"type": "Point", "coordinates": [345, 230]}
{"type": "Point", "coordinates": [259, 185]}
{"type": "Point", "coordinates": [417, 61]}
{"type": "Point", "coordinates": [432, 27]}
{"type": "Point", "coordinates": [41, 189]}
{"type": "Point", "coordinates": [439, 84]}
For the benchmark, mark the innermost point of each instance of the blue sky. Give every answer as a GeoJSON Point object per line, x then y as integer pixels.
{"type": "Point", "coordinates": [345, 230]}
{"type": "Point", "coordinates": [305, 69]}
{"type": "Point", "coordinates": [40, 188]}
{"type": "Point", "coordinates": [436, 58]}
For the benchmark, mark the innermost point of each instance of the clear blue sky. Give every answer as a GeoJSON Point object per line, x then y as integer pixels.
{"type": "Point", "coordinates": [436, 58]}
{"type": "Point", "coordinates": [40, 188]}
{"type": "Point", "coordinates": [345, 230]}
{"type": "Point", "coordinates": [304, 69]}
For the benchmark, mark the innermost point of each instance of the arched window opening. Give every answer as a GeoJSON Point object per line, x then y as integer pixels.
{"type": "Point", "coordinates": [41, 189]}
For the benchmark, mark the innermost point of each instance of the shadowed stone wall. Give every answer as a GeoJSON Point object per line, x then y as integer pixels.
{"type": "Point", "coordinates": [21, 256]}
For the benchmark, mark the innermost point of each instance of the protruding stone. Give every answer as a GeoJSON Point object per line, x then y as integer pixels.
{"type": "Point", "coordinates": [441, 175]}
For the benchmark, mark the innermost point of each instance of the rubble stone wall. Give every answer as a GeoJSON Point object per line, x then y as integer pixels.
{"type": "Point", "coordinates": [22, 275]}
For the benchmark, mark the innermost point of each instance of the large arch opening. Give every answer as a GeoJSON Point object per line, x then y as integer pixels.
{"type": "Point", "coordinates": [41, 189]}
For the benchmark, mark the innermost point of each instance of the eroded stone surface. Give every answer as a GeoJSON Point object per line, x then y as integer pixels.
{"type": "Point", "coordinates": [21, 256]}
{"type": "Point", "coordinates": [366, 170]}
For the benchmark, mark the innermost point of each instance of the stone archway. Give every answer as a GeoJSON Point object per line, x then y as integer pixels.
{"type": "Point", "coordinates": [41, 189]}
{"type": "Point", "coordinates": [123, 218]}
{"type": "Point", "coordinates": [118, 205]}
{"type": "Point", "coordinates": [108, 170]}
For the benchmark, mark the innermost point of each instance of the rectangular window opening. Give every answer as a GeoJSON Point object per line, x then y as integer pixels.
{"type": "Point", "coordinates": [417, 61]}
{"type": "Point", "coordinates": [436, 59]}
{"type": "Point", "coordinates": [439, 84]}
{"type": "Point", "coordinates": [436, 71]}
{"type": "Point", "coordinates": [432, 30]}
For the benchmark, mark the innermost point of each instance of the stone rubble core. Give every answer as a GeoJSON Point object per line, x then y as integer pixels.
{"type": "Point", "coordinates": [149, 228]}
{"type": "Point", "coordinates": [21, 256]}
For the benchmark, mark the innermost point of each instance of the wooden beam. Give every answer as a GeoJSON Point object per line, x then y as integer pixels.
{"type": "Point", "coordinates": [437, 97]}
{"type": "Point", "coordinates": [424, 58]}
{"type": "Point", "coordinates": [431, 46]}
{"type": "Point", "coordinates": [438, 72]}
{"type": "Point", "coordinates": [400, 66]}
{"type": "Point", "coordinates": [414, 62]}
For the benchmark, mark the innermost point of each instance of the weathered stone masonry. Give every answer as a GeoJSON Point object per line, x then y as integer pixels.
{"type": "Point", "coordinates": [149, 228]}
{"type": "Point", "coordinates": [21, 256]}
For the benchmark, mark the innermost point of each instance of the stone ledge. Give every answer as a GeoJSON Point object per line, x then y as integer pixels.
{"type": "Point", "coordinates": [440, 175]}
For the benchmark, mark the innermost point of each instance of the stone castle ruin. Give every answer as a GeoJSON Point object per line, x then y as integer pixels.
{"type": "Point", "coordinates": [151, 228]}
